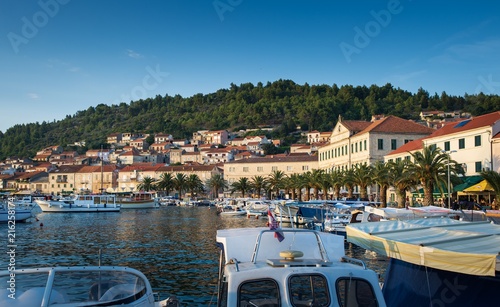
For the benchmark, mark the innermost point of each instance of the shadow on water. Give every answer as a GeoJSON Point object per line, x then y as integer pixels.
{"type": "Point", "coordinates": [173, 246]}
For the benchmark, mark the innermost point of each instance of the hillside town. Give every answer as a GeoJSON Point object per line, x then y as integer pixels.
{"type": "Point", "coordinates": [473, 142]}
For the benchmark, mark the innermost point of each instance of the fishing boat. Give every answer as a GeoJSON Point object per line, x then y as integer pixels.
{"type": "Point", "coordinates": [139, 200]}
{"type": "Point", "coordinates": [80, 203]}
{"type": "Point", "coordinates": [291, 267]}
{"type": "Point", "coordinates": [78, 286]}
{"type": "Point", "coordinates": [11, 213]}
{"type": "Point", "coordinates": [256, 207]}
{"type": "Point", "coordinates": [435, 261]}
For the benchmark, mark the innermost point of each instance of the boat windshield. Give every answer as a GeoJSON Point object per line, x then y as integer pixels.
{"type": "Point", "coordinates": [85, 287]}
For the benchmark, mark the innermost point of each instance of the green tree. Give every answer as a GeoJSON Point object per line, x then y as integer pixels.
{"type": "Point", "coordinates": [362, 177]}
{"type": "Point", "coordinates": [382, 177]}
{"type": "Point", "coordinates": [166, 183]}
{"type": "Point", "coordinates": [430, 167]}
{"type": "Point", "coordinates": [242, 185]}
{"type": "Point", "coordinates": [276, 181]}
{"type": "Point", "coordinates": [401, 179]}
{"type": "Point", "coordinates": [216, 183]}
{"type": "Point", "coordinates": [147, 184]}
{"type": "Point", "coordinates": [180, 183]}
{"type": "Point", "coordinates": [194, 184]}
{"type": "Point", "coordinates": [258, 183]}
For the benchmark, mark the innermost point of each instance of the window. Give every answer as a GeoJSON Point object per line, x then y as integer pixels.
{"type": "Point", "coordinates": [259, 293]}
{"type": "Point", "coordinates": [356, 147]}
{"type": "Point", "coordinates": [398, 159]}
{"type": "Point", "coordinates": [461, 143]}
{"type": "Point", "coordinates": [447, 146]}
{"type": "Point", "coordinates": [380, 144]}
{"type": "Point", "coordinates": [289, 168]}
{"type": "Point", "coordinates": [365, 144]}
{"type": "Point", "coordinates": [260, 169]}
{"type": "Point", "coordinates": [479, 167]}
{"type": "Point", "coordinates": [355, 292]}
{"type": "Point", "coordinates": [231, 169]}
{"type": "Point", "coordinates": [274, 168]}
{"type": "Point", "coordinates": [394, 144]}
{"type": "Point", "coordinates": [477, 140]}
{"type": "Point", "coordinates": [309, 290]}
{"type": "Point", "coordinates": [305, 167]}
{"type": "Point", "coordinates": [245, 169]}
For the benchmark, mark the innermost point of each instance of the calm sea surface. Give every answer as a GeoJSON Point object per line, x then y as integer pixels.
{"type": "Point", "coordinates": [173, 246]}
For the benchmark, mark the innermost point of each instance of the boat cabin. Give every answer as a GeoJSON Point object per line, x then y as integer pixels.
{"type": "Point", "coordinates": [305, 268]}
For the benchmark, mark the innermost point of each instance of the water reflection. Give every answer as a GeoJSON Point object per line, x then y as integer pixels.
{"type": "Point", "coordinates": [173, 246]}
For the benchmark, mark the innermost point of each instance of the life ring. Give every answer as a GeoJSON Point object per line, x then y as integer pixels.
{"type": "Point", "coordinates": [291, 254]}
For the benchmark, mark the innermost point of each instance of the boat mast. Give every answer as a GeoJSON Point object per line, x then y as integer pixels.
{"type": "Point", "coordinates": [102, 172]}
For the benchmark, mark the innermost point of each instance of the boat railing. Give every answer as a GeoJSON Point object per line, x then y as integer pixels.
{"type": "Point", "coordinates": [354, 261]}
{"type": "Point", "coordinates": [319, 242]}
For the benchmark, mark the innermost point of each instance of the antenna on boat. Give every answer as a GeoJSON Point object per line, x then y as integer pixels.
{"type": "Point", "coordinates": [99, 259]}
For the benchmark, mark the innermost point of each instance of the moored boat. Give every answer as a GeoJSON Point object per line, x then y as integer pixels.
{"type": "Point", "coordinates": [139, 200]}
{"type": "Point", "coordinates": [80, 203]}
{"type": "Point", "coordinates": [434, 261]}
{"type": "Point", "coordinates": [11, 213]}
{"type": "Point", "coordinates": [291, 267]}
{"type": "Point", "coordinates": [78, 286]}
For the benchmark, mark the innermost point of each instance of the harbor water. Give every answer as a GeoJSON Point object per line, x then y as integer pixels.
{"type": "Point", "coordinates": [173, 246]}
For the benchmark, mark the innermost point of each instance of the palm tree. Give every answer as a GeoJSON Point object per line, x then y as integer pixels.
{"type": "Point", "coordinates": [194, 184]}
{"type": "Point", "coordinates": [295, 183]}
{"type": "Point", "coordinates": [430, 167]}
{"type": "Point", "coordinates": [147, 184]}
{"type": "Point", "coordinates": [348, 181]}
{"type": "Point", "coordinates": [258, 183]}
{"type": "Point", "coordinates": [216, 183]}
{"type": "Point", "coordinates": [242, 185]}
{"type": "Point", "coordinates": [362, 177]}
{"type": "Point", "coordinates": [166, 183]}
{"type": "Point", "coordinates": [316, 181]}
{"type": "Point", "coordinates": [276, 181]}
{"type": "Point", "coordinates": [493, 178]}
{"type": "Point", "coordinates": [401, 179]}
{"type": "Point", "coordinates": [382, 178]}
{"type": "Point", "coordinates": [180, 183]}
{"type": "Point", "coordinates": [335, 179]}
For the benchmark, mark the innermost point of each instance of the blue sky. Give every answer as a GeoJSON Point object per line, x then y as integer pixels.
{"type": "Point", "coordinates": [61, 56]}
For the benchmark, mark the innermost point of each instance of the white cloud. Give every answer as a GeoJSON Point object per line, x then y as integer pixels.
{"type": "Point", "coordinates": [133, 54]}
{"type": "Point", "coordinates": [33, 95]}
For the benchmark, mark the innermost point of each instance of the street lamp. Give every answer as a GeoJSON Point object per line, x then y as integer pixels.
{"type": "Point", "coordinates": [448, 187]}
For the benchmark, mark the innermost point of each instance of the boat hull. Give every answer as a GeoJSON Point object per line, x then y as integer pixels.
{"type": "Point", "coordinates": [19, 216]}
{"type": "Point", "coordinates": [66, 207]}
{"type": "Point", "coordinates": [138, 205]}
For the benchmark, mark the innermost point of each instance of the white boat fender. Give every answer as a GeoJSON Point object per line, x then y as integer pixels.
{"type": "Point", "coordinates": [291, 254]}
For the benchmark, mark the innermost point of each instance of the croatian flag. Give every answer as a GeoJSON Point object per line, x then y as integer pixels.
{"type": "Point", "coordinates": [273, 225]}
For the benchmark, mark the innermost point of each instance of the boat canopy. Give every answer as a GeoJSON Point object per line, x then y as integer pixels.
{"type": "Point", "coordinates": [441, 243]}
{"type": "Point", "coordinates": [235, 243]}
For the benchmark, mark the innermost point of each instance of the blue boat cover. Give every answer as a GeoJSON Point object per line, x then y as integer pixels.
{"type": "Point", "coordinates": [409, 284]}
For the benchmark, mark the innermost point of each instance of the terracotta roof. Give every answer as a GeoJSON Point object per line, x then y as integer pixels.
{"type": "Point", "coordinates": [186, 168]}
{"type": "Point", "coordinates": [468, 124]}
{"type": "Point", "coordinates": [277, 159]}
{"type": "Point", "coordinates": [145, 167]}
{"type": "Point", "coordinates": [396, 125]}
{"type": "Point", "coordinates": [409, 147]}
{"type": "Point", "coordinates": [67, 169]}
{"type": "Point", "coordinates": [355, 125]}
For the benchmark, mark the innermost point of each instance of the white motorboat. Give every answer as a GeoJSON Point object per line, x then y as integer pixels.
{"type": "Point", "coordinates": [11, 213]}
{"type": "Point", "coordinates": [81, 203]}
{"type": "Point", "coordinates": [257, 207]}
{"type": "Point", "coordinates": [305, 268]}
{"type": "Point", "coordinates": [78, 286]}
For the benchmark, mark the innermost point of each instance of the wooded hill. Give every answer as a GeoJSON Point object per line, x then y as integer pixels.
{"type": "Point", "coordinates": [282, 104]}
